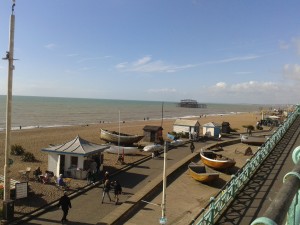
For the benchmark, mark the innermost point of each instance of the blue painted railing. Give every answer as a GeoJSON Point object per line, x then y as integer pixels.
{"type": "Point", "coordinates": [218, 203]}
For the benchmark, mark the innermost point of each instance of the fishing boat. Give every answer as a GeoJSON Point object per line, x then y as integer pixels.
{"type": "Point", "coordinates": [120, 138]}
{"type": "Point", "coordinates": [253, 140]}
{"type": "Point", "coordinates": [177, 142]}
{"type": "Point", "coordinates": [202, 173]}
{"type": "Point", "coordinates": [153, 148]}
{"type": "Point", "coordinates": [216, 161]}
{"type": "Point", "coordinates": [122, 150]}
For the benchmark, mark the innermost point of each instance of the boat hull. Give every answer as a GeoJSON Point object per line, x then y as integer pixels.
{"type": "Point", "coordinates": [153, 148]}
{"type": "Point", "coordinates": [216, 161]}
{"type": "Point", "coordinates": [122, 139]}
{"type": "Point", "coordinates": [123, 150]}
{"type": "Point", "coordinates": [253, 140]}
{"type": "Point", "coordinates": [202, 173]}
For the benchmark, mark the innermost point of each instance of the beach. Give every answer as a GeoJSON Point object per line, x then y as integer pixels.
{"type": "Point", "coordinates": [33, 140]}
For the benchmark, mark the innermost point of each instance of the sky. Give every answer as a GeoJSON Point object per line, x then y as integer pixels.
{"type": "Point", "coordinates": [162, 50]}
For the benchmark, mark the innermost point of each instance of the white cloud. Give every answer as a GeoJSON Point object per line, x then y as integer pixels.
{"type": "Point", "coordinates": [147, 65]}
{"type": "Point", "coordinates": [163, 90]}
{"type": "Point", "coordinates": [292, 71]}
{"type": "Point", "coordinates": [50, 46]}
{"type": "Point", "coordinates": [233, 59]}
{"type": "Point", "coordinates": [246, 87]}
{"type": "Point", "coordinates": [221, 85]}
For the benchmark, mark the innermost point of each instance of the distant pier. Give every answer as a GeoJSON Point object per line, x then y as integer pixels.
{"type": "Point", "coordinates": [189, 103]}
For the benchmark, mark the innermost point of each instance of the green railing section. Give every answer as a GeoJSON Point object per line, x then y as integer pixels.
{"type": "Point", "coordinates": [286, 205]}
{"type": "Point", "coordinates": [218, 203]}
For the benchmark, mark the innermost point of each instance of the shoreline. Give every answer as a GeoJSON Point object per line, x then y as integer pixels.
{"type": "Point", "coordinates": [16, 128]}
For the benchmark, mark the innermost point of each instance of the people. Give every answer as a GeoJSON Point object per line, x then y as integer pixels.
{"type": "Point", "coordinates": [106, 189]}
{"type": "Point", "coordinates": [46, 178]}
{"type": "Point", "coordinates": [37, 174]}
{"type": "Point", "coordinates": [192, 147]}
{"type": "Point", "coordinates": [117, 191]}
{"type": "Point", "coordinates": [60, 181]}
{"type": "Point", "coordinates": [65, 204]}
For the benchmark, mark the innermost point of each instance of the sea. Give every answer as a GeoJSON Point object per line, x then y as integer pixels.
{"type": "Point", "coordinates": [31, 112]}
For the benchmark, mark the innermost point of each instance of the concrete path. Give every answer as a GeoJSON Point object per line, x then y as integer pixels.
{"type": "Point", "coordinates": [87, 208]}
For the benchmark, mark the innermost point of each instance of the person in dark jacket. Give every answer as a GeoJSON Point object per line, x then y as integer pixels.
{"type": "Point", "coordinates": [117, 190]}
{"type": "Point", "coordinates": [65, 204]}
{"type": "Point", "coordinates": [192, 147]}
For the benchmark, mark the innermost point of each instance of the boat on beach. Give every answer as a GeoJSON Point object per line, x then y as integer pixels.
{"type": "Point", "coordinates": [153, 148]}
{"type": "Point", "coordinates": [202, 173]}
{"type": "Point", "coordinates": [177, 142]}
{"type": "Point", "coordinates": [114, 149]}
{"type": "Point", "coordinates": [216, 161]}
{"type": "Point", "coordinates": [253, 140]}
{"type": "Point", "coordinates": [119, 138]}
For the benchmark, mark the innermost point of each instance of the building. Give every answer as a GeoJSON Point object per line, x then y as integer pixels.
{"type": "Point", "coordinates": [188, 127]}
{"type": "Point", "coordinates": [211, 129]}
{"type": "Point", "coordinates": [153, 134]}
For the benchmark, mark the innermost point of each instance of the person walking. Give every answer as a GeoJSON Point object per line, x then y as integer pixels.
{"type": "Point", "coordinates": [65, 204]}
{"type": "Point", "coordinates": [106, 189]}
{"type": "Point", "coordinates": [117, 190]}
{"type": "Point", "coordinates": [192, 147]}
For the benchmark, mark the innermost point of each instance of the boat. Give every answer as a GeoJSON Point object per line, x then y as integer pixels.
{"type": "Point", "coordinates": [253, 140]}
{"type": "Point", "coordinates": [114, 149]}
{"type": "Point", "coordinates": [177, 142]}
{"type": "Point", "coordinates": [202, 173]}
{"type": "Point", "coordinates": [120, 138]}
{"type": "Point", "coordinates": [153, 148]}
{"type": "Point", "coordinates": [216, 161]}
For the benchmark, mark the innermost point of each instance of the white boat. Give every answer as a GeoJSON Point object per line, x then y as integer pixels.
{"type": "Point", "coordinates": [253, 140]}
{"type": "Point", "coordinates": [153, 148]}
{"type": "Point", "coordinates": [177, 142]}
{"type": "Point", "coordinates": [122, 150]}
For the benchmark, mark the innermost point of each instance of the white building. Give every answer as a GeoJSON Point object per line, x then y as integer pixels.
{"type": "Point", "coordinates": [211, 129]}
{"type": "Point", "coordinates": [190, 127]}
{"type": "Point", "coordinates": [73, 159]}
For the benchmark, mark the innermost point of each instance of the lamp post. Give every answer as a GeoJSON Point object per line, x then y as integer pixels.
{"type": "Point", "coordinates": [10, 58]}
{"type": "Point", "coordinates": [163, 219]}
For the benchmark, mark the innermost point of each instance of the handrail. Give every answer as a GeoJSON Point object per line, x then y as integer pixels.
{"type": "Point", "coordinates": [220, 202]}
{"type": "Point", "coordinates": [285, 206]}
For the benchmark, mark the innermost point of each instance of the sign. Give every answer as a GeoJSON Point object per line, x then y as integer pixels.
{"type": "Point", "coordinates": [163, 220]}
{"type": "Point", "coordinates": [21, 190]}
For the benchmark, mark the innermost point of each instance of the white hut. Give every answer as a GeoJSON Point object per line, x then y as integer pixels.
{"type": "Point", "coordinates": [73, 158]}
{"type": "Point", "coordinates": [211, 129]}
{"type": "Point", "coordinates": [191, 127]}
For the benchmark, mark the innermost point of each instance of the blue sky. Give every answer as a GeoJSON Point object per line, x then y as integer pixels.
{"type": "Point", "coordinates": [164, 50]}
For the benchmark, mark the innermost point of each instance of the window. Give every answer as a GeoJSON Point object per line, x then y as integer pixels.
{"type": "Point", "coordinates": [74, 161]}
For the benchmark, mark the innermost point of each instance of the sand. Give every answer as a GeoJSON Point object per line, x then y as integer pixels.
{"type": "Point", "coordinates": [33, 140]}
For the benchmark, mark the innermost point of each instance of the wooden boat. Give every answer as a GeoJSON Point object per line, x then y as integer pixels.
{"type": "Point", "coordinates": [122, 150]}
{"type": "Point", "coordinates": [119, 138]}
{"type": "Point", "coordinates": [216, 161]}
{"type": "Point", "coordinates": [253, 140]}
{"type": "Point", "coordinates": [153, 148]}
{"type": "Point", "coordinates": [202, 173]}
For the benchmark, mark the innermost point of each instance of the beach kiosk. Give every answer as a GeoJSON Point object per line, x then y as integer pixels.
{"type": "Point", "coordinates": [190, 127]}
{"type": "Point", "coordinates": [153, 134]}
{"type": "Point", "coordinates": [74, 158]}
{"type": "Point", "coordinates": [211, 129]}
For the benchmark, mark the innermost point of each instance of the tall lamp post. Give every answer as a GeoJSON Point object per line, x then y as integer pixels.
{"type": "Point", "coordinates": [10, 58]}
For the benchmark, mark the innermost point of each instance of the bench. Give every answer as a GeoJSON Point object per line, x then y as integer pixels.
{"type": "Point", "coordinates": [12, 182]}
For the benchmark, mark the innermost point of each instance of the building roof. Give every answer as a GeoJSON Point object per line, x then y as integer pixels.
{"type": "Point", "coordinates": [211, 124]}
{"type": "Point", "coordinates": [152, 128]}
{"type": "Point", "coordinates": [190, 123]}
{"type": "Point", "coordinates": [77, 146]}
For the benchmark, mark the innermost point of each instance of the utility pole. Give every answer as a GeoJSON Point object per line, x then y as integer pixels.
{"type": "Point", "coordinates": [163, 219]}
{"type": "Point", "coordinates": [10, 58]}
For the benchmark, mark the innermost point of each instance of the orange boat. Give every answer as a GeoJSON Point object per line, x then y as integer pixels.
{"type": "Point", "coordinates": [216, 161]}
{"type": "Point", "coordinates": [202, 173]}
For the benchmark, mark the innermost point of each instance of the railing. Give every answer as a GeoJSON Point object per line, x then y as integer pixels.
{"type": "Point", "coordinates": [217, 204]}
{"type": "Point", "coordinates": [285, 206]}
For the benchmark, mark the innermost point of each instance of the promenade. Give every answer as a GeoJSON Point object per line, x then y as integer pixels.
{"type": "Point", "coordinates": [87, 208]}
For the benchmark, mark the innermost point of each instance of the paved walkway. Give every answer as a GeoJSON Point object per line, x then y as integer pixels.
{"type": "Point", "coordinates": [87, 208]}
